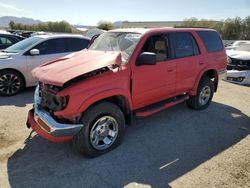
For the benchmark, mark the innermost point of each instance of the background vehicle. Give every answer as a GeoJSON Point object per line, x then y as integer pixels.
{"type": "Point", "coordinates": [237, 44]}
{"type": "Point", "coordinates": [17, 61]}
{"type": "Point", "coordinates": [90, 96]}
{"type": "Point", "coordinates": [7, 40]}
{"type": "Point", "coordinates": [238, 68]}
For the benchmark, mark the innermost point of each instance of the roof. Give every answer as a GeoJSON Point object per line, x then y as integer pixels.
{"type": "Point", "coordinates": [160, 29]}
{"type": "Point", "coordinates": [4, 32]}
{"type": "Point", "coordinates": [60, 36]}
{"type": "Point", "coordinates": [151, 24]}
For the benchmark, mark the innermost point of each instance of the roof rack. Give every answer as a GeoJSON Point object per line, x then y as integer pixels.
{"type": "Point", "coordinates": [179, 26]}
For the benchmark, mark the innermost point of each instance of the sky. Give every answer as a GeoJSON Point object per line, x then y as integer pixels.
{"type": "Point", "coordinates": [92, 11]}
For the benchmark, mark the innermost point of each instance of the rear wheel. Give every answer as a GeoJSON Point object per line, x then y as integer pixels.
{"type": "Point", "coordinates": [204, 95]}
{"type": "Point", "coordinates": [103, 130]}
{"type": "Point", "coordinates": [11, 82]}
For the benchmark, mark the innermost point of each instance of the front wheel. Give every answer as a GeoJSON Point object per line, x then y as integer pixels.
{"type": "Point", "coordinates": [204, 95]}
{"type": "Point", "coordinates": [103, 130]}
{"type": "Point", "coordinates": [11, 82]}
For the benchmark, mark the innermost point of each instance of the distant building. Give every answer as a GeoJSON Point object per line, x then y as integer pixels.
{"type": "Point", "coordinates": [127, 24]}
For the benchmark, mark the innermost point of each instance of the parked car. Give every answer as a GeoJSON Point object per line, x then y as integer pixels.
{"type": "Point", "coordinates": [239, 65]}
{"type": "Point", "coordinates": [7, 40]}
{"type": "Point", "coordinates": [237, 44]}
{"type": "Point", "coordinates": [89, 97]}
{"type": "Point", "coordinates": [17, 61]}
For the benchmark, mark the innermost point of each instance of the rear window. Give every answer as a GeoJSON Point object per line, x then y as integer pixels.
{"type": "Point", "coordinates": [211, 40]}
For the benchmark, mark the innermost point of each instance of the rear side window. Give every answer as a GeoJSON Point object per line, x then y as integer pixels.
{"type": "Point", "coordinates": [76, 44]}
{"type": "Point", "coordinates": [211, 40]}
{"type": "Point", "coordinates": [184, 44]}
{"type": "Point", "coordinates": [12, 40]}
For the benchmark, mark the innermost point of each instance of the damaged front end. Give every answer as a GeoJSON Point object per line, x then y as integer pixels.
{"type": "Point", "coordinates": [238, 64]}
{"type": "Point", "coordinates": [50, 101]}
{"type": "Point", "coordinates": [54, 78]}
{"type": "Point", "coordinates": [41, 118]}
{"type": "Point", "coordinates": [238, 71]}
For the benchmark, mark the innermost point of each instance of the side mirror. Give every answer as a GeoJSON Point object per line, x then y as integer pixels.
{"type": "Point", "coordinates": [34, 52]}
{"type": "Point", "coordinates": [146, 58]}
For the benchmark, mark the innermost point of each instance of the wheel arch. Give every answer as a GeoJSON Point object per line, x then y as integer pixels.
{"type": "Point", "coordinates": [120, 100]}
{"type": "Point", "coordinates": [212, 74]}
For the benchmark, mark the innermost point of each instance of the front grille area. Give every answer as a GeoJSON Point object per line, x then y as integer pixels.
{"type": "Point", "coordinates": [238, 64]}
{"type": "Point", "coordinates": [49, 99]}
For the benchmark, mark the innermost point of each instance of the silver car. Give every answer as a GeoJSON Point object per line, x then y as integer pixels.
{"type": "Point", "coordinates": [17, 61]}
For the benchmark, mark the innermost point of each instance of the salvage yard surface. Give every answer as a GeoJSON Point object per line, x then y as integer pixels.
{"type": "Point", "coordinates": [178, 147]}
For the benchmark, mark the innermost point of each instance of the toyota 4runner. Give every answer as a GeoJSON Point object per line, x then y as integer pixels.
{"type": "Point", "coordinates": [89, 96]}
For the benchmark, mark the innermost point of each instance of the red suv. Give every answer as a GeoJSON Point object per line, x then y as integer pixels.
{"type": "Point", "coordinates": [90, 96]}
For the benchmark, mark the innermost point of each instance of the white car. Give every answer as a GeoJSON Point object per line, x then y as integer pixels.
{"type": "Point", "coordinates": [237, 44]}
{"type": "Point", "coordinates": [17, 61]}
{"type": "Point", "coordinates": [238, 68]}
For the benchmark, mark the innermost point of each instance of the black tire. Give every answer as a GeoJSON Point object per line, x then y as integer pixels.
{"type": "Point", "coordinates": [11, 82]}
{"type": "Point", "coordinates": [82, 141]}
{"type": "Point", "coordinates": [195, 102]}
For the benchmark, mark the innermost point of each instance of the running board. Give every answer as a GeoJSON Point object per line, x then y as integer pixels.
{"type": "Point", "coordinates": [154, 108]}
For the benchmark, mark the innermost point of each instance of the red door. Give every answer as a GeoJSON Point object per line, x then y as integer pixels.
{"type": "Point", "coordinates": [153, 83]}
{"type": "Point", "coordinates": [188, 60]}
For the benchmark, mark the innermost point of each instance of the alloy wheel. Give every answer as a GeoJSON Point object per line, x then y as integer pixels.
{"type": "Point", "coordinates": [104, 132]}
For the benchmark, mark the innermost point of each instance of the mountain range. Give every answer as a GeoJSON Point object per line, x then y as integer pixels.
{"type": "Point", "coordinates": [5, 20]}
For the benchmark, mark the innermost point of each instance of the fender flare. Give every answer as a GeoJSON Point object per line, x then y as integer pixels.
{"type": "Point", "coordinates": [100, 96]}
{"type": "Point", "coordinates": [198, 78]}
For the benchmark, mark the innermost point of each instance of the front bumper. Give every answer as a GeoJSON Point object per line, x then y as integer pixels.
{"type": "Point", "coordinates": [238, 77]}
{"type": "Point", "coordinates": [46, 126]}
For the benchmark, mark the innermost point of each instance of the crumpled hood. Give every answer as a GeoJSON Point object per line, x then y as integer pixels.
{"type": "Point", "coordinates": [66, 68]}
{"type": "Point", "coordinates": [243, 55]}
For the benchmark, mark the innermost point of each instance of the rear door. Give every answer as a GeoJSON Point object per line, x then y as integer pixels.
{"type": "Point", "coordinates": [50, 49]}
{"type": "Point", "coordinates": [153, 83]}
{"type": "Point", "coordinates": [187, 58]}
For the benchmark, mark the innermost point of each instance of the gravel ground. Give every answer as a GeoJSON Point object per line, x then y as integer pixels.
{"type": "Point", "coordinates": [178, 147]}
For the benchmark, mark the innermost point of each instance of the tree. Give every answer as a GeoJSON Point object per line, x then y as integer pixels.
{"type": "Point", "coordinates": [12, 24]}
{"type": "Point", "coordinates": [105, 25]}
{"type": "Point", "coordinates": [246, 28]}
{"type": "Point", "coordinates": [48, 26]}
{"type": "Point", "coordinates": [230, 29]}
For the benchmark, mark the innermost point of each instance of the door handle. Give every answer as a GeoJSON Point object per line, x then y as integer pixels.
{"type": "Point", "coordinates": [170, 70]}
{"type": "Point", "coordinates": [201, 63]}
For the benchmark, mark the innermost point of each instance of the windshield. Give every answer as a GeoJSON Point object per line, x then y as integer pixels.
{"type": "Point", "coordinates": [244, 47]}
{"type": "Point", "coordinates": [117, 41]}
{"type": "Point", "coordinates": [22, 45]}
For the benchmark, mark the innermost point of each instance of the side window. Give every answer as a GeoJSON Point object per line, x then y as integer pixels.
{"type": "Point", "coordinates": [211, 40]}
{"type": "Point", "coordinates": [76, 44]}
{"type": "Point", "coordinates": [11, 40]}
{"type": "Point", "coordinates": [5, 40]}
{"type": "Point", "coordinates": [157, 44]}
{"type": "Point", "coordinates": [184, 45]}
{"type": "Point", "coordinates": [2, 40]}
{"type": "Point", "coordinates": [51, 46]}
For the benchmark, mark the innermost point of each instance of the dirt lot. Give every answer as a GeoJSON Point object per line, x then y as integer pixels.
{"type": "Point", "coordinates": [175, 148]}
